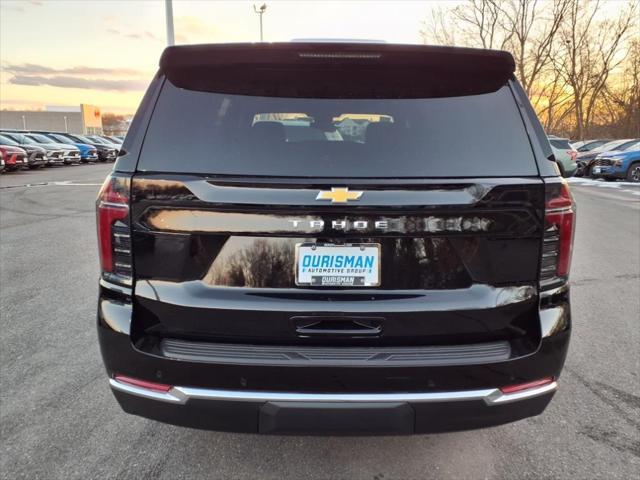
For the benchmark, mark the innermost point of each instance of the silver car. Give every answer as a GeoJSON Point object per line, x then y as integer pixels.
{"type": "Point", "coordinates": [565, 155]}
{"type": "Point", "coordinates": [55, 151]}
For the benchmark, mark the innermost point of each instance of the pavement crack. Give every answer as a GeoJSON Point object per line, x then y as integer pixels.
{"type": "Point", "coordinates": [630, 399]}
{"type": "Point", "coordinates": [628, 276]}
{"type": "Point", "coordinates": [610, 395]}
{"type": "Point", "coordinates": [612, 439]}
{"type": "Point", "coordinates": [588, 281]}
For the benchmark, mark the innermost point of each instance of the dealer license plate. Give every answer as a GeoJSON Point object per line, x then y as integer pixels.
{"type": "Point", "coordinates": [326, 265]}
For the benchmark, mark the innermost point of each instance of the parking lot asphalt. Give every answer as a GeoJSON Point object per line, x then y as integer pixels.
{"type": "Point", "coordinates": [58, 418]}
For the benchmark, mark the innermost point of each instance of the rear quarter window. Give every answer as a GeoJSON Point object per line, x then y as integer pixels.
{"type": "Point", "coordinates": [561, 144]}
{"type": "Point", "coordinates": [222, 134]}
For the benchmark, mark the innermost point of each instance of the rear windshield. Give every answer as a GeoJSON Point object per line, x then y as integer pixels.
{"type": "Point", "coordinates": [62, 139]}
{"type": "Point", "coordinates": [559, 143]}
{"type": "Point", "coordinates": [213, 133]}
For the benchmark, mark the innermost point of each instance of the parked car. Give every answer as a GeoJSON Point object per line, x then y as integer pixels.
{"type": "Point", "coordinates": [586, 159]}
{"type": "Point", "coordinates": [565, 155]}
{"type": "Point", "coordinates": [36, 156]}
{"type": "Point", "coordinates": [333, 286]}
{"type": "Point", "coordinates": [105, 152]}
{"type": "Point", "coordinates": [587, 145]}
{"type": "Point", "coordinates": [112, 139]}
{"type": "Point", "coordinates": [1, 162]}
{"type": "Point", "coordinates": [71, 156]}
{"type": "Point", "coordinates": [56, 153]}
{"type": "Point", "coordinates": [88, 153]}
{"type": "Point", "coordinates": [14, 157]}
{"type": "Point", "coordinates": [619, 164]}
{"type": "Point", "coordinates": [100, 139]}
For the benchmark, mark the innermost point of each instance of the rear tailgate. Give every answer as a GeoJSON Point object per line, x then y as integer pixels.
{"type": "Point", "coordinates": [458, 261]}
{"type": "Point", "coordinates": [239, 172]}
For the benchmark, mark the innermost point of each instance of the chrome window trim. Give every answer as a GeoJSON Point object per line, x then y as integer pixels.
{"type": "Point", "coordinates": [180, 395]}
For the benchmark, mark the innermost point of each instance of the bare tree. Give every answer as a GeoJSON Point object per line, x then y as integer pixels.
{"type": "Point", "coordinates": [568, 54]}
{"type": "Point", "coordinates": [437, 28]}
{"type": "Point", "coordinates": [527, 28]}
{"type": "Point", "coordinates": [552, 101]}
{"type": "Point", "coordinates": [590, 49]}
{"type": "Point", "coordinates": [533, 29]}
{"type": "Point", "coordinates": [481, 20]}
{"type": "Point", "coordinates": [475, 23]}
{"type": "Point", "coordinates": [623, 96]}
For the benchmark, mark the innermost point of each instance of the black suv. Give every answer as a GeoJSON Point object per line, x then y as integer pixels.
{"type": "Point", "coordinates": [334, 239]}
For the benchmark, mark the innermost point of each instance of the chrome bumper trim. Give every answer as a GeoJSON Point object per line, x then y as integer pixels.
{"type": "Point", "coordinates": [116, 288]}
{"type": "Point", "coordinates": [180, 395]}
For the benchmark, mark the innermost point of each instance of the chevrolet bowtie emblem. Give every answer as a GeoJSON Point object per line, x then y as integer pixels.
{"type": "Point", "coordinates": [338, 195]}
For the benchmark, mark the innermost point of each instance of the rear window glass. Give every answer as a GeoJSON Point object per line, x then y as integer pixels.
{"type": "Point", "coordinates": [560, 143]}
{"type": "Point", "coordinates": [213, 133]}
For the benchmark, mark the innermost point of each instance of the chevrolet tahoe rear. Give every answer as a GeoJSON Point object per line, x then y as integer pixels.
{"type": "Point", "coordinates": [308, 238]}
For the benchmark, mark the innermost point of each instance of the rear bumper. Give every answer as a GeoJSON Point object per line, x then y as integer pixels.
{"type": "Point", "coordinates": [316, 398]}
{"type": "Point", "coordinates": [332, 414]}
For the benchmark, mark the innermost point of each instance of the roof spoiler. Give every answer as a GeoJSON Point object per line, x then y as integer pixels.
{"type": "Point", "coordinates": [337, 70]}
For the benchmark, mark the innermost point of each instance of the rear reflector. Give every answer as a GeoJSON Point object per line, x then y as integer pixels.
{"type": "Point", "coordinates": [526, 386]}
{"type": "Point", "coordinates": [156, 387]}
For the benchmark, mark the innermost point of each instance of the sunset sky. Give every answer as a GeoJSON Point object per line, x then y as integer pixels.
{"type": "Point", "coordinates": [104, 52]}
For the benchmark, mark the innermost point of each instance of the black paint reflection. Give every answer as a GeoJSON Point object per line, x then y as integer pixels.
{"type": "Point", "coordinates": [254, 262]}
{"type": "Point", "coordinates": [406, 263]}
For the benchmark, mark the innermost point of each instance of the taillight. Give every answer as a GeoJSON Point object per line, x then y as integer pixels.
{"type": "Point", "coordinates": [114, 236]}
{"type": "Point", "coordinates": [573, 154]}
{"type": "Point", "coordinates": [558, 234]}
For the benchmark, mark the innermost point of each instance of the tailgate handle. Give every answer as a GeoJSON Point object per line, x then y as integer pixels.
{"type": "Point", "coordinates": [338, 326]}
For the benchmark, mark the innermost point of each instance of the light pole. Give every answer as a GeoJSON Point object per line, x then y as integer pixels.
{"type": "Point", "coordinates": [169, 18]}
{"type": "Point", "coordinates": [260, 11]}
{"type": "Point", "coordinates": [24, 122]}
{"type": "Point", "coordinates": [66, 127]}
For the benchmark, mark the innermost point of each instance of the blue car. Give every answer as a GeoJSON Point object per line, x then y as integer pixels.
{"type": "Point", "coordinates": [88, 153]}
{"type": "Point", "coordinates": [614, 165]}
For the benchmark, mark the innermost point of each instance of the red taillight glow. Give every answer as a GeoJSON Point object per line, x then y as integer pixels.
{"type": "Point", "coordinates": [519, 387]}
{"type": "Point", "coordinates": [156, 387]}
{"type": "Point", "coordinates": [112, 206]}
{"type": "Point", "coordinates": [573, 154]}
{"type": "Point", "coordinates": [559, 216]}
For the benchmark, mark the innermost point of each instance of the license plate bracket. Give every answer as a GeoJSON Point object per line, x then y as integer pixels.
{"type": "Point", "coordinates": [332, 265]}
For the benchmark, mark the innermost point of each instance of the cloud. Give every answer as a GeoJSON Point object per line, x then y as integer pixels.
{"type": "Point", "coordinates": [36, 69]}
{"type": "Point", "coordinates": [193, 29]}
{"type": "Point", "coordinates": [135, 35]}
{"type": "Point", "coordinates": [63, 81]}
{"type": "Point", "coordinates": [141, 35]}
{"type": "Point", "coordinates": [14, 8]}
{"type": "Point", "coordinates": [20, 8]}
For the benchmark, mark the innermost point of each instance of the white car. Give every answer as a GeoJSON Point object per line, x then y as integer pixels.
{"type": "Point", "coordinates": [565, 155]}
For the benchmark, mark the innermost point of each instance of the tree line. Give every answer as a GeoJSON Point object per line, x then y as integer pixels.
{"type": "Point", "coordinates": [578, 61]}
